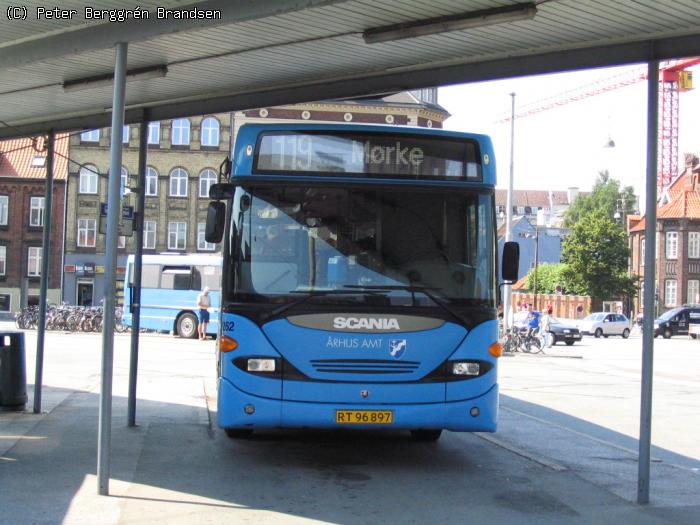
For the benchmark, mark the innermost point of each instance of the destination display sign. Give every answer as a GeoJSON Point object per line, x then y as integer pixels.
{"type": "Point", "coordinates": [355, 153]}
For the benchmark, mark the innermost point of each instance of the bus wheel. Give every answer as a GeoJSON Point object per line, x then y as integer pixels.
{"type": "Point", "coordinates": [239, 433]}
{"type": "Point", "coordinates": [187, 326]}
{"type": "Point", "coordinates": [423, 434]}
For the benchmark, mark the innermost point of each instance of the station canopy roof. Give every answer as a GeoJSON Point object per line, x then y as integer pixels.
{"type": "Point", "coordinates": [56, 72]}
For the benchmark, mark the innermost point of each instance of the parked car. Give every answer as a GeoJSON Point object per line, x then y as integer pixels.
{"type": "Point", "coordinates": [562, 331]}
{"type": "Point", "coordinates": [676, 321]}
{"type": "Point", "coordinates": [605, 324]}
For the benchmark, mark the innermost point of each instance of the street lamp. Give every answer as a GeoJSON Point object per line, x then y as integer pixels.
{"type": "Point", "coordinates": [620, 209]}
{"type": "Point", "coordinates": [535, 236]}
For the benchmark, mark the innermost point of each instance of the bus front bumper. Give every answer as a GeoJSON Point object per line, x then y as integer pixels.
{"type": "Point", "coordinates": [238, 409]}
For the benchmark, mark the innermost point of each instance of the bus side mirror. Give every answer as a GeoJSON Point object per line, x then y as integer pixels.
{"type": "Point", "coordinates": [221, 191]}
{"type": "Point", "coordinates": [216, 219]}
{"type": "Point", "coordinates": [510, 262]}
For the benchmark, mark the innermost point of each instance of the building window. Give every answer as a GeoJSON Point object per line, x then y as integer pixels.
{"type": "Point", "coordinates": [34, 261]}
{"type": "Point", "coordinates": [4, 209]}
{"type": "Point", "coordinates": [149, 235]}
{"type": "Point", "coordinates": [88, 179]}
{"type": "Point", "coordinates": [36, 211]}
{"type": "Point", "coordinates": [124, 181]}
{"type": "Point", "coordinates": [86, 232]}
{"type": "Point", "coordinates": [178, 183]}
{"type": "Point", "coordinates": [210, 132]}
{"type": "Point", "coordinates": [154, 132]}
{"type": "Point", "coordinates": [5, 302]}
{"type": "Point", "coordinates": [121, 242]}
{"type": "Point", "coordinates": [671, 245]}
{"type": "Point", "coordinates": [500, 209]}
{"type": "Point", "coordinates": [180, 132]}
{"type": "Point", "coordinates": [642, 246]}
{"type": "Point", "coordinates": [671, 292]}
{"type": "Point", "coordinates": [90, 136]}
{"type": "Point", "coordinates": [693, 291]}
{"type": "Point", "coordinates": [177, 235]}
{"type": "Point", "coordinates": [206, 179]}
{"type": "Point", "coordinates": [693, 245]}
{"type": "Point", "coordinates": [202, 244]}
{"type": "Point", "coordinates": [521, 210]}
{"type": "Point", "coordinates": [125, 134]}
{"type": "Point", "coordinates": [151, 182]}
{"type": "Point", "coordinates": [3, 260]}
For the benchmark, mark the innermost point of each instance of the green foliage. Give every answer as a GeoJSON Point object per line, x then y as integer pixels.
{"type": "Point", "coordinates": [607, 197]}
{"type": "Point", "coordinates": [548, 277]}
{"type": "Point", "coordinates": [595, 256]}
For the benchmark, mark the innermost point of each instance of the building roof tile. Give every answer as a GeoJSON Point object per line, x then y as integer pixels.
{"type": "Point", "coordinates": [17, 158]}
{"type": "Point", "coordinates": [683, 200]}
{"type": "Point", "coordinates": [534, 198]}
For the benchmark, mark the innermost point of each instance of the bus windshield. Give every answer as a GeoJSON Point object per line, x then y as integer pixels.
{"type": "Point", "coordinates": [362, 246]}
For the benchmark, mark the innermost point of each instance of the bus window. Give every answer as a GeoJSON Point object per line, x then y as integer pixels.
{"type": "Point", "coordinates": [210, 276]}
{"type": "Point", "coordinates": [150, 275]}
{"type": "Point", "coordinates": [176, 277]}
{"type": "Point", "coordinates": [196, 283]}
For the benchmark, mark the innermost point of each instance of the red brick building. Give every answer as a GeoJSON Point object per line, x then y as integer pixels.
{"type": "Point", "coordinates": [22, 193]}
{"type": "Point", "coordinates": [677, 279]}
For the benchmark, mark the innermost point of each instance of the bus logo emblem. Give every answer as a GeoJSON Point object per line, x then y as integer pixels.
{"type": "Point", "coordinates": [398, 348]}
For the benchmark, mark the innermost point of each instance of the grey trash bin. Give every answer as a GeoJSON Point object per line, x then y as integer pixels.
{"type": "Point", "coordinates": [13, 371]}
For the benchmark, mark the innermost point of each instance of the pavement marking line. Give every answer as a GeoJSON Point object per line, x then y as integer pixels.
{"type": "Point", "coordinates": [569, 429]}
{"type": "Point", "coordinates": [593, 438]}
{"type": "Point", "coordinates": [522, 453]}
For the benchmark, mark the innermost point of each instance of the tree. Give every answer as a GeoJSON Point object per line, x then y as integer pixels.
{"type": "Point", "coordinates": [606, 197]}
{"type": "Point", "coordinates": [549, 276]}
{"type": "Point", "coordinates": [595, 254]}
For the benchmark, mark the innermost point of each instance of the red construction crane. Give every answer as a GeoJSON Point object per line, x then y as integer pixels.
{"type": "Point", "coordinates": [674, 78]}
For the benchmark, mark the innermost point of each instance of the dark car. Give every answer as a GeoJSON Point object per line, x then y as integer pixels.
{"type": "Point", "coordinates": [561, 331]}
{"type": "Point", "coordinates": [677, 321]}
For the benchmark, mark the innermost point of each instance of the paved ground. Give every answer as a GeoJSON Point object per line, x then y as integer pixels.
{"type": "Point", "coordinates": [565, 451]}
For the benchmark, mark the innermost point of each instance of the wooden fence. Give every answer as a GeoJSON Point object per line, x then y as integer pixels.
{"type": "Point", "coordinates": [564, 306]}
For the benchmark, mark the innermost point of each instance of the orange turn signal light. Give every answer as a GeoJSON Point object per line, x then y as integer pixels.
{"type": "Point", "coordinates": [227, 344]}
{"type": "Point", "coordinates": [496, 349]}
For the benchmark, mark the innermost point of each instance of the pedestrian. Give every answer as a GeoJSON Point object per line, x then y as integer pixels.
{"type": "Point", "coordinates": [545, 326]}
{"type": "Point", "coordinates": [203, 303]}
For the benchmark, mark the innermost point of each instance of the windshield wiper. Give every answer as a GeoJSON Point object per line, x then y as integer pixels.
{"type": "Point", "coordinates": [308, 295]}
{"type": "Point", "coordinates": [412, 289]}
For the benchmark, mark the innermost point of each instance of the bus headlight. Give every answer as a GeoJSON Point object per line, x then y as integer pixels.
{"type": "Point", "coordinates": [465, 368]}
{"type": "Point", "coordinates": [261, 365]}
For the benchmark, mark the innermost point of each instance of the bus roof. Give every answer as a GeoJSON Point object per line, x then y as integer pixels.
{"type": "Point", "coordinates": [180, 259]}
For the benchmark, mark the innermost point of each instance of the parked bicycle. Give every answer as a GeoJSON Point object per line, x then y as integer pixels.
{"type": "Point", "coordinates": [69, 318]}
{"type": "Point", "coordinates": [512, 341]}
{"type": "Point", "coordinates": [532, 343]}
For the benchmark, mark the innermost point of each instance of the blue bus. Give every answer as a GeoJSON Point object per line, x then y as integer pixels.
{"type": "Point", "coordinates": [359, 280]}
{"type": "Point", "coordinates": [170, 284]}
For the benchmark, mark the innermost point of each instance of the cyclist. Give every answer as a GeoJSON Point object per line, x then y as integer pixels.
{"type": "Point", "coordinates": [533, 323]}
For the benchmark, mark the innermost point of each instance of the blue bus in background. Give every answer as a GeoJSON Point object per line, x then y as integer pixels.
{"type": "Point", "coordinates": [359, 280]}
{"type": "Point", "coordinates": [170, 284]}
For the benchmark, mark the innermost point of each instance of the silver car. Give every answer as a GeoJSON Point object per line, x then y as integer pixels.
{"type": "Point", "coordinates": [605, 324]}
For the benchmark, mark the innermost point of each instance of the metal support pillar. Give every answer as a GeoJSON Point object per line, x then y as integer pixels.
{"type": "Point", "coordinates": [507, 289]}
{"type": "Point", "coordinates": [113, 215]}
{"type": "Point", "coordinates": [649, 284]}
{"type": "Point", "coordinates": [136, 282]}
{"type": "Point", "coordinates": [45, 258]}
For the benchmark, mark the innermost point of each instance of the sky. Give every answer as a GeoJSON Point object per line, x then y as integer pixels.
{"type": "Point", "coordinates": [563, 147]}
